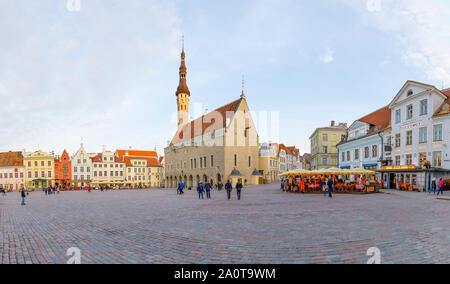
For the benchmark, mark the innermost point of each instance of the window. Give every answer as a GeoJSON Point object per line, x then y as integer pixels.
{"type": "Point", "coordinates": [437, 159]}
{"type": "Point", "coordinates": [235, 160]}
{"type": "Point", "coordinates": [324, 161]}
{"type": "Point", "coordinates": [410, 93]}
{"type": "Point", "coordinates": [437, 133]}
{"type": "Point", "coordinates": [424, 107]}
{"type": "Point", "coordinates": [398, 116]}
{"type": "Point", "coordinates": [409, 112]}
{"type": "Point", "coordinates": [348, 155]}
{"type": "Point", "coordinates": [389, 141]}
{"type": "Point", "coordinates": [325, 149]}
{"type": "Point", "coordinates": [249, 161]}
{"type": "Point", "coordinates": [397, 140]}
{"type": "Point", "coordinates": [325, 137]}
{"type": "Point", "coordinates": [409, 159]}
{"type": "Point", "coordinates": [397, 160]}
{"type": "Point", "coordinates": [374, 151]}
{"type": "Point", "coordinates": [356, 154]}
{"type": "Point", "coordinates": [366, 153]}
{"type": "Point", "coordinates": [409, 137]}
{"type": "Point", "coordinates": [423, 135]}
{"type": "Point", "coordinates": [343, 156]}
{"type": "Point", "coordinates": [212, 161]}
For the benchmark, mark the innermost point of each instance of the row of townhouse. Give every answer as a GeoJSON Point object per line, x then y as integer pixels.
{"type": "Point", "coordinates": [405, 141]}
{"type": "Point", "coordinates": [39, 170]}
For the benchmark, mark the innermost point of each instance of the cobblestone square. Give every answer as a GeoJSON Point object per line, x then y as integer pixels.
{"type": "Point", "coordinates": [267, 226]}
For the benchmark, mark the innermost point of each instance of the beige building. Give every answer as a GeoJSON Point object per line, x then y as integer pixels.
{"type": "Point", "coordinates": [219, 146]}
{"type": "Point", "coordinates": [324, 153]}
{"type": "Point", "coordinates": [143, 168]}
{"type": "Point", "coordinates": [269, 163]}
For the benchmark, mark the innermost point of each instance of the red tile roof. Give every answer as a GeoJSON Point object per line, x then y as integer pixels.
{"type": "Point", "coordinates": [380, 118]}
{"type": "Point", "coordinates": [11, 159]}
{"type": "Point", "coordinates": [199, 126]}
{"type": "Point", "coordinates": [444, 109]}
{"type": "Point", "coordinates": [136, 153]}
{"type": "Point", "coordinates": [151, 162]}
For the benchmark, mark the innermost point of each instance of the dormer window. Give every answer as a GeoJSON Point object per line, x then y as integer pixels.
{"type": "Point", "coordinates": [410, 93]}
{"type": "Point", "coordinates": [445, 107]}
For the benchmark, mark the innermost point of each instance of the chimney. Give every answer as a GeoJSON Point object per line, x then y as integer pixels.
{"type": "Point", "coordinates": [333, 123]}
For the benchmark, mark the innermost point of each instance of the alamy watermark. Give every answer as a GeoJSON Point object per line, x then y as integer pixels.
{"type": "Point", "coordinates": [375, 255]}
{"type": "Point", "coordinates": [74, 255]}
{"type": "Point", "coordinates": [73, 5]}
{"type": "Point", "coordinates": [374, 5]}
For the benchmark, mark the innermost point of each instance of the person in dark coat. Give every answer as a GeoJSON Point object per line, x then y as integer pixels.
{"type": "Point", "coordinates": [330, 187]}
{"type": "Point", "coordinates": [208, 188]}
{"type": "Point", "coordinates": [200, 190]}
{"type": "Point", "coordinates": [228, 188]}
{"type": "Point", "coordinates": [239, 187]}
{"type": "Point", "coordinates": [23, 195]}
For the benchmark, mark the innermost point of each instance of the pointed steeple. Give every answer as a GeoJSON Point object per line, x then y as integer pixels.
{"type": "Point", "coordinates": [182, 86]}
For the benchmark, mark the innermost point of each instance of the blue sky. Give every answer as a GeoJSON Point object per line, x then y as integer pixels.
{"type": "Point", "coordinates": [108, 73]}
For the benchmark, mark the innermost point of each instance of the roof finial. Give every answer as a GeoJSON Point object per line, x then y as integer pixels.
{"type": "Point", "coordinates": [243, 86]}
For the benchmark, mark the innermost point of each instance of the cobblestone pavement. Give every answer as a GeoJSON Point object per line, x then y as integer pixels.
{"type": "Point", "coordinates": [267, 226]}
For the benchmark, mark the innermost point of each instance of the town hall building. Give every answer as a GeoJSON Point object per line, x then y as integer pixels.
{"type": "Point", "coordinates": [220, 145]}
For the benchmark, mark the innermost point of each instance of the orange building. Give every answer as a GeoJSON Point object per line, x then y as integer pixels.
{"type": "Point", "coordinates": [63, 170]}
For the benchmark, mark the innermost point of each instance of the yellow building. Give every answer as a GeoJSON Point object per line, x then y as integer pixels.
{"type": "Point", "coordinates": [39, 170]}
{"type": "Point", "coordinates": [323, 146]}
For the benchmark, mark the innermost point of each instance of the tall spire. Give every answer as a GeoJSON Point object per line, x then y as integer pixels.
{"type": "Point", "coordinates": [182, 86]}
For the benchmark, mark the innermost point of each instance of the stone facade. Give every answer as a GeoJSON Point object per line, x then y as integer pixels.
{"type": "Point", "coordinates": [39, 170]}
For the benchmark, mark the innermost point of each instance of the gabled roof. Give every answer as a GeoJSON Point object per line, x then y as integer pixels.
{"type": "Point", "coordinates": [416, 83]}
{"type": "Point", "coordinates": [199, 126]}
{"type": "Point", "coordinates": [99, 159]}
{"type": "Point", "coordinates": [444, 109]}
{"type": "Point", "coordinates": [380, 118]}
{"type": "Point", "coordinates": [11, 159]}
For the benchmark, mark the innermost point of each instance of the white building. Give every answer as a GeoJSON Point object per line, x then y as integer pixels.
{"type": "Point", "coordinates": [81, 168]}
{"type": "Point", "coordinates": [419, 133]}
{"type": "Point", "coordinates": [107, 168]}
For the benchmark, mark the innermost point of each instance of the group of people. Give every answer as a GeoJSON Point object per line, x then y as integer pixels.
{"type": "Point", "coordinates": [207, 187]}
{"type": "Point", "coordinates": [326, 184]}
{"type": "Point", "coordinates": [439, 186]}
{"type": "Point", "coordinates": [51, 190]}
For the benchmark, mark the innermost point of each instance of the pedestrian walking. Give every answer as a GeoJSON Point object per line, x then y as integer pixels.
{"type": "Point", "coordinates": [220, 186]}
{"type": "Point", "coordinates": [302, 186]}
{"type": "Point", "coordinates": [181, 188]}
{"type": "Point", "coordinates": [440, 187]}
{"type": "Point", "coordinates": [208, 190]}
{"type": "Point", "coordinates": [23, 195]}
{"type": "Point", "coordinates": [239, 187]}
{"type": "Point", "coordinates": [228, 188]}
{"type": "Point", "coordinates": [433, 186]}
{"type": "Point", "coordinates": [3, 191]}
{"type": "Point", "coordinates": [330, 187]}
{"type": "Point", "coordinates": [200, 190]}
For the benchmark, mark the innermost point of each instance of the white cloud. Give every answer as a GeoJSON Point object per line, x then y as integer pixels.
{"type": "Point", "coordinates": [70, 75]}
{"type": "Point", "coordinates": [422, 30]}
{"type": "Point", "coordinates": [327, 57]}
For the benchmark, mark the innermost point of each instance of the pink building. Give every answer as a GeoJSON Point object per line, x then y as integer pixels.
{"type": "Point", "coordinates": [12, 171]}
